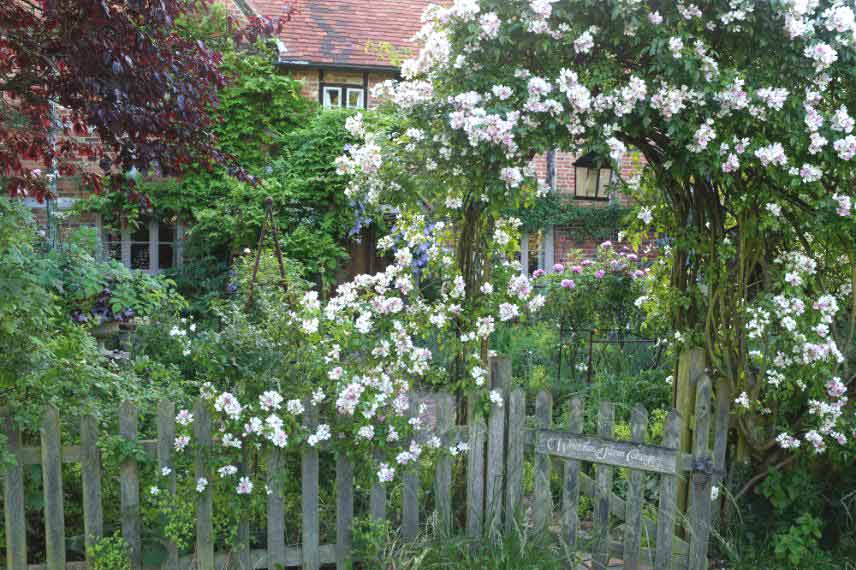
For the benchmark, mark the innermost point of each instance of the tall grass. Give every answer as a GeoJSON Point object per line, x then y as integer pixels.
{"type": "Point", "coordinates": [519, 550]}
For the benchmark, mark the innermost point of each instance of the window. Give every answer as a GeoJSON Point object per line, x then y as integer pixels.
{"type": "Point", "coordinates": [332, 96]}
{"type": "Point", "coordinates": [152, 246]}
{"type": "Point", "coordinates": [343, 96]}
{"type": "Point", "coordinates": [536, 251]}
{"type": "Point", "coordinates": [355, 98]}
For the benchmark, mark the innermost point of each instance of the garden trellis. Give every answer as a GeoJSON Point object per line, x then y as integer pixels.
{"type": "Point", "coordinates": [495, 501]}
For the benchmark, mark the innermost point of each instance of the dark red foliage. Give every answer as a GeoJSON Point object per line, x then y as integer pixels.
{"type": "Point", "coordinates": [120, 75]}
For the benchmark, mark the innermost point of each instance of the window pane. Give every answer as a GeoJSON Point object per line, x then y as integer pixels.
{"type": "Point", "coordinates": [113, 245]}
{"type": "Point", "coordinates": [536, 250]}
{"type": "Point", "coordinates": [139, 256]}
{"type": "Point", "coordinates": [332, 97]}
{"type": "Point", "coordinates": [166, 257]}
{"type": "Point", "coordinates": [605, 175]}
{"type": "Point", "coordinates": [586, 178]}
{"type": "Point", "coordinates": [166, 230]}
{"type": "Point", "coordinates": [140, 233]}
{"type": "Point", "coordinates": [355, 98]}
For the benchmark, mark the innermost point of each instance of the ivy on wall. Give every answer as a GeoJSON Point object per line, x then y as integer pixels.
{"type": "Point", "coordinates": [589, 222]}
{"type": "Point", "coordinates": [285, 141]}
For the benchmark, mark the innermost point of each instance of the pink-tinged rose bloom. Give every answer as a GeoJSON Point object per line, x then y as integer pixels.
{"type": "Point", "coordinates": [577, 269]}
{"type": "Point", "coordinates": [637, 274]}
{"type": "Point", "coordinates": [586, 262]}
{"type": "Point", "coordinates": [568, 284]}
{"type": "Point", "coordinates": [558, 268]}
{"type": "Point", "coordinates": [607, 244]}
{"type": "Point", "coordinates": [537, 273]}
{"type": "Point", "coordinates": [599, 273]}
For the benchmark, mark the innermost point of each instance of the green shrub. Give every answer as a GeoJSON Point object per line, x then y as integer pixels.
{"type": "Point", "coordinates": [110, 553]}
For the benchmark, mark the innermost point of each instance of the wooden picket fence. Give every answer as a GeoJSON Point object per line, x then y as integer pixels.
{"type": "Point", "coordinates": [495, 502]}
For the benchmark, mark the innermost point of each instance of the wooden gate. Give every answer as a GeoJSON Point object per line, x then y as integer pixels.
{"type": "Point", "coordinates": [649, 537]}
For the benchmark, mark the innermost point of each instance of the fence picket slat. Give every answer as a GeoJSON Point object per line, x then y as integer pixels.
{"type": "Point", "coordinates": [275, 509]}
{"type": "Point", "coordinates": [52, 484]}
{"type": "Point", "coordinates": [242, 548]}
{"type": "Point", "coordinates": [344, 510]}
{"type": "Point", "coordinates": [603, 489]}
{"type": "Point", "coordinates": [720, 442]}
{"type": "Point", "coordinates": [475, 474]}
{"type": "Point", "coordinates": [166, 440]}
{"type": "Point", "coordinates": [500, 378]}
{"type": "Point", "coordinates": [633, 516]}
{"type": "Point", "coordinates": [13, 500]}
{"type": "Point", "coordinates": [514, 466]}
{"type": "Point", "coordinates": [129, 487]}
{"type": "Point", "coordinates": [377, 496]}
{"type": "Point", "coordinates": [443, 468]}
{"type": "Point", "coordinates": [571, 488]}
{"type": "Point", "coordinates": [543, 502]}
{"type": "Point", "coordinates": [410, 490]}
{"type": "Point", "coordinates": [699, 510]}
{"type": "Point", "coordinates": [668, 498]}
{"type": "Point", "coordinates": [309, 487]}
{"type": "Point", "coordinates": [90, 468]}
{"type": "Point", "coordinates": [204, 502]}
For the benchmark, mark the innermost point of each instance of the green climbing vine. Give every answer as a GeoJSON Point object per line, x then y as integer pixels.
{"type": "Point", "coordinates": [589, 222]}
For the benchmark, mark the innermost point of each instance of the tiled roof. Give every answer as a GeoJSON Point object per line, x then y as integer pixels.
{"type": "Point", "coordinates": [339, 32]}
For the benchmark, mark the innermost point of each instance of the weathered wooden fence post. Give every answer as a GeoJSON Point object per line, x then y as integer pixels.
{"type": "Point", "coordinates": [90, 467]}
{"type": "Point", "coordinates": [129, 487]}
{"type": "Point", "coordinates": [699, 511]}
{"type": "Point", "coordinates": [500, 378]}
{"type": "Point", "coordinates": [603, 491]}
{"type": "Point", "coordinates": [243, 554]}
{"type": "Point", "coordinates": [52, 482]}
{"type": "Point", "coordinates": [571, 487]}
{"type": "Point", "coordinates": [514, 460]}
{"type": "Point", "coordinates": [344, 510]}
{"type": "Point", "coordinates": [166, 441]}
{"type": "Point", "coordinates": [309, 483]}
{"type": "Point", "coordinates": [475, 474]}
{"type": "Point", "coordinates": [633, 514]}
{"type": "Point", "coordinates": [720, 442]}
{"type": "Point", "coordinates": [690, 369]}
{"type": "Point", "coordinates": [443, 469]}
{"type": "Point", "coordinates": [13, 499]}
{"type": "Point", "coordinates": [377, 496]}
{"type": "Point", "coordinates": [204, 503]}
{"type": "Point", "coordinates": [543, 501]}
{"type": "Point", "coordinates": [410, 489]}
{"type": "Point", "coordinates": [275, 509]}
{"type": "Point", "coordinates": [668, 499]}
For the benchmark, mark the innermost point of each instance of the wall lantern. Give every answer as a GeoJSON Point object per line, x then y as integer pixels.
{"type": "Point", "coordinates": [592, 177]}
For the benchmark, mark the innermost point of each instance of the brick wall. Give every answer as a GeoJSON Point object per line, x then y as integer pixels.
{"type": "Point", "coordinates": [310, 79]}
{"type": "Point", "coordinates": [631, 163]}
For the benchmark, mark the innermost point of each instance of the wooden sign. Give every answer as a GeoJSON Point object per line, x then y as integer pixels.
{"type": "Point", "coordinates": [608, 452]}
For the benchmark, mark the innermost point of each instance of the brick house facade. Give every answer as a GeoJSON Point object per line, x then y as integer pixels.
{"type": "Point", "coordinates": [339, 50]}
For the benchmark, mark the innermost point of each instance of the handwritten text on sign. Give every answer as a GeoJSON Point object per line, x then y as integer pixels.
{"type": "Point", "coordinates": [608, 452]}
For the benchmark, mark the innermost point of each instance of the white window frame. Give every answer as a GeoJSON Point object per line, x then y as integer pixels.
{"type": "Point", "coordinates": [361, 91]}
{"type": "Point", "coordinates": [328, 89]}
{"type": "Point", "coordinates": [344, 92]}
{"type": "Point", "coordinates": [153, 243]}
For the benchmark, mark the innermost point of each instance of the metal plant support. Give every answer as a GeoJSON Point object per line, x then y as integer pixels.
{"type": "Point", "coordinates": [268, 222]}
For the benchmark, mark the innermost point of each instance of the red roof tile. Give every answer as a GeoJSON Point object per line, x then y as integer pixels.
{"type": "Point", "coordinates": [339, 32]}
